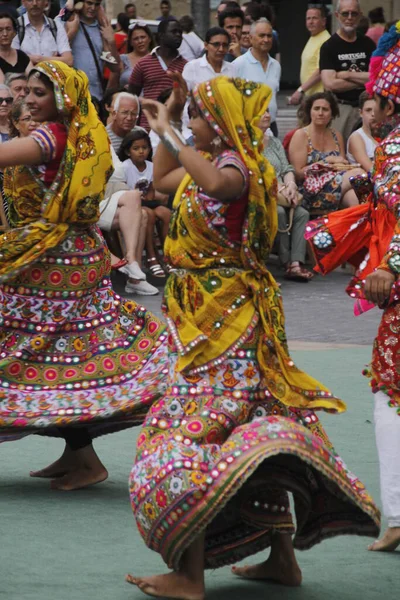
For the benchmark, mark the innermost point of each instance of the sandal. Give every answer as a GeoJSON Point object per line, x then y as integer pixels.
{"type": "Point", "coordinates": [298, 273]}
{"type": "Point", "coordinates": [121, 263]}
{"type": "Point", "coordinates": [155, 269]}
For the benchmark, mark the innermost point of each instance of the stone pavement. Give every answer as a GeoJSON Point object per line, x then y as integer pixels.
{"type": "Point", "coordinates": [318, 311]}
{"type": "Point", "coordinates": [79, 545]}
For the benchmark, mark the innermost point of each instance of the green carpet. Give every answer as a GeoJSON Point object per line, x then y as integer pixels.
{"type": "Point", "coordinates": [79, 545]}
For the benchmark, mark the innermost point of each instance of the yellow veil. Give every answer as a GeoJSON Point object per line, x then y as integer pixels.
{"type": "Point", "coordinates": [210, 313]}
{"type": "Point", "coordinates": [74, 196]}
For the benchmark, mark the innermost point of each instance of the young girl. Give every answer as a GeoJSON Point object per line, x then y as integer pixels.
{"type": "Point", "coordinates": [139, 175]}
{"type": "Point", "coordinates": [361, 144]}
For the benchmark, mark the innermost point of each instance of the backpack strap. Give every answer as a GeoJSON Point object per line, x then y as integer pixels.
{"type": "Point", "coordinates": [21, 29]}
{"type": "Point", "coordinates": [53, 28]}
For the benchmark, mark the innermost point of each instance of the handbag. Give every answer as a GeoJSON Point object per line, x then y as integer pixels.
{"type": "Point", "coordinates": [285, 203]}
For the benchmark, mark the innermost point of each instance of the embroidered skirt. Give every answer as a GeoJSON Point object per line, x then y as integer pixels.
{"type": "Point", "coordinates": [72, 352]}
{"type": "Point", "coordinates": [219, 454]}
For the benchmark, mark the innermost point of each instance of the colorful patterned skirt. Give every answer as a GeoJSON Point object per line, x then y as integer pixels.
{"type": "Point", "coordinates": [72, 352]}
{"type": "Point", "coordinates": [219, 454]}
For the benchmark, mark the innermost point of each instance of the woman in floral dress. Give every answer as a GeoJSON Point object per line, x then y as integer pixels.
{"type": "Point", "coordinates": [236, 429]}
{"type": "Point", "coordinates": [74, 357]}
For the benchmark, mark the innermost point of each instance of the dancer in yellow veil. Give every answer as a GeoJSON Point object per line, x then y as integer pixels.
{"type": "Point", "coordinates": [237, 429]}
{"type": "Point", "coordinates": [73, 356]}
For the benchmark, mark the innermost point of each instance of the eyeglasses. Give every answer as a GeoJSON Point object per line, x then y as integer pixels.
{"type": "Point", "coordinates": [8, 100]}
{"type": "Point", "coordinates": [349, 13]}
{"type": "Point", "coordinates": [223, 45]}
{"type": "Point", "coordinates": [127, 113]}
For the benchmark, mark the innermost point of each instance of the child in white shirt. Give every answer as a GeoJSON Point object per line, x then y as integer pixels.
{"type": "Point", "coordinates": [135, 151]}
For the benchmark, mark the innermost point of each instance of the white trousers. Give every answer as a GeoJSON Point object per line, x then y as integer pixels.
{"type": "Point", "coordinates": [387, 434]}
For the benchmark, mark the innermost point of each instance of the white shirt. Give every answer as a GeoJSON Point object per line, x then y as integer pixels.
{"type": "Point", "coordinates": [43, 42]}
{"type": "Point", "coordinates": [192, 46]}
{"type": "Point", "coordinates": [369, 144]}
{"type": "Point", "coordinates": [132, 173]}
{"type": "Point", "coordinates": [199, 70]}
{"type": "Point", "coordinates": [248, 67]}
{"type": "Point", "coordinates": [119, 173]}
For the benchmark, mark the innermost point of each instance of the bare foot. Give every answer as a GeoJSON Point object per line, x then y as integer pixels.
{"type": "Point", "coordinates": [65, 464]}
{"type": "Point", "coordinates": [80, 478]}
{"type": "Point", "coordinates": [279, 571]}
{"type": "Point", "coordinates": [173, 585]}
{"type": "Point", "coordinates": [389, 541]}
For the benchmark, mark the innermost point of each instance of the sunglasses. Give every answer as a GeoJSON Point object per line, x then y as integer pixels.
{"type": "Point", "coordinates": [8, 100]}
{"type": "Point", "coordinates": [140, 24]}
{"type": "Point", "coordinates": [349, 13]}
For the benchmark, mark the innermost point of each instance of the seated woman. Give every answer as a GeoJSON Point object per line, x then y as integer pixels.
{"type": "Point", "coordinates": [291, 244]}
{"type": "Point", "coordinates": [322, 147]}
{"type": "Point", "coordinates": [121, 209]}
{"type": "Point", "coordinates": [361, 144]}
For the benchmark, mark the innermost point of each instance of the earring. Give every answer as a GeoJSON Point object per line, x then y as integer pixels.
{"type": "Point", "coordinates": [216, 142]}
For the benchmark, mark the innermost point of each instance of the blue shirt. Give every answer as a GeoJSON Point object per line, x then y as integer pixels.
{"type": "Point", "coordinates": [248, 67]}
{"type": "Point", "coordinates": [83, 57]}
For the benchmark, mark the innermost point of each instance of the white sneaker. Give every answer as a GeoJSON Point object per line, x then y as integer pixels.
{"type": "Point", "coordinates": [142, 288]}
{"type": "Point", "coordinates": [133, 271]}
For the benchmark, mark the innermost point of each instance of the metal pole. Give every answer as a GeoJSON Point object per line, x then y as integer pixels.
{"type": "Point", "coordinates": [201, 15]}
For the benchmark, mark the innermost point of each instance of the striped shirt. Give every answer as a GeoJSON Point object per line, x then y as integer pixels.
{"type": "Point", "coordinates": [150, 76]}
{"type": "Point", "coordinates": [115, 139]}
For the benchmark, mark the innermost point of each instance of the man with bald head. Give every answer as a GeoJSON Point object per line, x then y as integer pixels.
{"type": "Point", "coordinates": [344, 61]}
{"type": "Point", "coordinates": [258, 65]}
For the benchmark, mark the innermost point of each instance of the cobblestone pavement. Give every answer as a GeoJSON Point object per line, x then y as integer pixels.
{"type": "Point", "coordinates": [318, 312]}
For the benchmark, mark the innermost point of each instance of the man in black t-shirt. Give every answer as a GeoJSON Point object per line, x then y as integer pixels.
{"type": "Point", "coordinates": [343, 62]}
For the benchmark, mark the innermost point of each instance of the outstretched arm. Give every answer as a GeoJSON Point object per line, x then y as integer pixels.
{"type": "Point", "coordinates": [20, 151]}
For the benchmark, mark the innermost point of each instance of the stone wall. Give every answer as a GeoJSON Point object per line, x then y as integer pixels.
{"type": "Point", "coordinates": [148, 9]}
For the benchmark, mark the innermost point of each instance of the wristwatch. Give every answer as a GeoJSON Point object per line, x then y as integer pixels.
{"type": "Point", "coordinates": [300, 90]}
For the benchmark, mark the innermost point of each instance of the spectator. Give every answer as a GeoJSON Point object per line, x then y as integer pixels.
{"type": "Point", "coordinates": [165, 8]}
{"type": "Point", "coordinates": [107, 104]}
{"type": "Point", "coordinates": [130, 10]}
{"type": "Point", "coordinates": [91, 36]}
{"type": "Point", "coordinates": [39, 37]}
{"type": "Point", "coordinates": [192, 46]}
{"type": "Point", "coordinates": [310, 77]}
{"type": "Point", "coordinates": [140, 43]}
{"type": "Point", "coordinates": [258, 65]}
{"type": "Point", "coordinates": [121, 210]}
{"type": "Point", "coordinates": [326, 187]}
{"type": "Point", "coordinates": [21, 123]}
{"type": "Point", "coordinates": [291, 241]}
{"type": "Point", "coordinates": [344, 61]}
{"type": "Point", "coordinates": [12, 60]}
{"type": "Point", "coordinates": [245, 37]}
{"type": "Point", "coordinates": [6, 101]}
{"type": "Point", "coordinates": [212, 63]}
{"type": "Point", "coordinates": [17, 84]}
{"type": "Point", "coordinates": [232, 19]}
{"type": "Point", "coordinates": [150, 74]}
{"type": "Point", "coordinates": [377, 20]}
{"type": "Point", "coordinates": [135, 151]}
{"type": "Point", "coordinates": [124, 116]}
{"type": "Point", "coordinates": [268, 12]}
{"type": "Point", "coordinates": [361, 145]}
{"type": "Point", "coordinates": [122, 32]}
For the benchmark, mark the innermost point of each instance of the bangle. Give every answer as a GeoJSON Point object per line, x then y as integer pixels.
{"type": "Point", "coordinates": [171, 144]}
